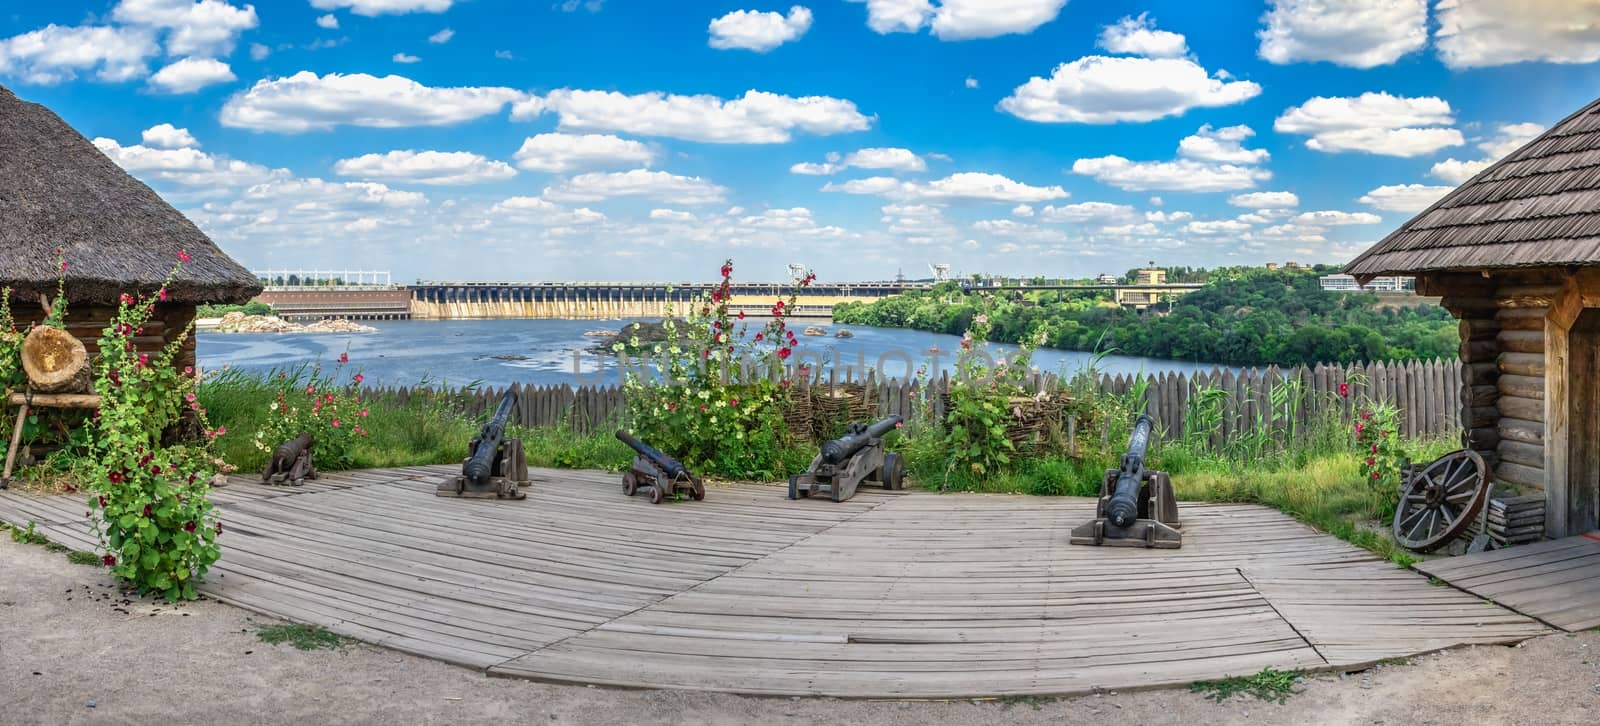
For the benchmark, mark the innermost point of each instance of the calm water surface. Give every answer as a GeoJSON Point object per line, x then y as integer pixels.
{"type": "Point", "coordinates": [457, 352]}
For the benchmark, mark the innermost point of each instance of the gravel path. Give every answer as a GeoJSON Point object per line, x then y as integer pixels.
{"type": "Point", "coordinates": [73, 651]}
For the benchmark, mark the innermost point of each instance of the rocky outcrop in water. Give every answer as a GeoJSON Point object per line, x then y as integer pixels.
{"type": "Point", "coordinates": [237, 322]}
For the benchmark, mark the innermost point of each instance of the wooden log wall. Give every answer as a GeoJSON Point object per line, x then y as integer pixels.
{"type": "Point", "coordinates": [1521, 307]}
{"type": "Point", "coordinates": [86, 322]}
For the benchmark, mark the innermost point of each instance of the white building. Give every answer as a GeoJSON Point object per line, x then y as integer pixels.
{"type": "Point", "coordinates": [1107, 278]}
{"type": "Point", "coordinates": [1347, 283]}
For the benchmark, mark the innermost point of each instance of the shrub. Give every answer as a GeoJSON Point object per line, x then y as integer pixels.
{"type": "Point", "coordinates": [983, 401]}
{"type": "Point", "coordinates": [1377, 430]}
{"type": "Point", "coordinates": [328, 409]}
{"type": "Point", "coordinates": [10, 346]}
{"type": "Point", "coordinates": [157, 527]}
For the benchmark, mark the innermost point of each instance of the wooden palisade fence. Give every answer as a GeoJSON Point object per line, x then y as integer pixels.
{"type": "Point", "coordinates": [1427, 394]}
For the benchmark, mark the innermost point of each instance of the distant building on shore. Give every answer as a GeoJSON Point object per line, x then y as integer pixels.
{"type": "Point", "coordinates": [1348, 283]}
{"type": "Point", "coordinates": [1107, 278]}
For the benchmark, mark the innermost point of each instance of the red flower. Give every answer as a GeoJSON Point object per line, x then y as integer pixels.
{"type": "Point", "coordinates": [363, 412]}
{"type": "Point", "coordinates": [758, 337]}
{"type": "Point", "coordinates": [146, 510]}
{"type": "Point", "coordinates": [63, 265]}
{"type": "Point", "coordinates": [734, 402]}
{"type": "Point", "coordinates": [126, 299]}
{"type": "Point", "coordinates": [1344, 390]}
{"type": "Point", "coordinates": [358, 378]}
{"type": "Point", "coordinates": [155, 469]}
{"type": "Point", "coordinates": [162, 294]}
{"type": "Point", "coordinates": [1371, 461]}
{"type": "Point", "coordinates": [1360, 427]}
{"type": "Point", "coordinates": [1374, 476]}
{"type": "Point", "coordinates": [741, 315]}
{"type": "Point", "coordinates": [783, 354]}
{"type": "Point", "coordinates": [183, 256]}
{"type": "Point", "coordinates": [727, 269]}
{"type": "Point", "coordinates": [344, 357]}
{"type": "Point", "coordinates": [310, 389]}
{"type": "Point", "coordinates": [702, 408]}
{"type": "Point", "coordinates": [899, 424]}
{"type": "Point", "coordinates": [188, 526]}
{"type": "Point", "coordinates": [672, 406]}
{"type": "Point", "coordinates": [108, 561]}
{"type": "Point", "coordinates": [144, 359]}
{"type": "Point", "coordinates": [103, 499]}
{"type": "Point", "coordinates": [706, 354]}
{"type": "Point", "coordinates": [336, 423]}
{"type": "Point", "coordinates": [219, 528]}
{"type": "Point", "coordinates": [328, 398]}
{"type": "Point", "coordinates": [1374, 448]}
{"type": "Point", "coordinates": [116, 478]}
{"type": "Point", "coordinates": [188, 370]}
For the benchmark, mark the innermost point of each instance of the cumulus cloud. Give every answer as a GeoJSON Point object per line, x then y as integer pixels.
{"type": "Point", "coordinates": [890, 158]}
{"type": "Point", "coordinates": [1216, 227]}
{"type": "Point", "coordinates": [1022, 210]}
{"type": "Point", "coordinates": [259, 51]}
{"type": "Point", "coordinates": [658, 185]}
{"type": "Point", "coordinates": [372, 8]}
{"type": "Point", "coordinates": [1139, 36]}
{"type": "Point", "coordinates": [442, 37]}
{"type": "Point", "coordinates": [544, 212]}
{"type": "Point", "coordinates": [959, 187]}
{"type": "Point", "coordinates": [1212, 160]}
{"type": "Point", "coordinates": [183, 165]}
{"type": "Point", "coordinates": [191, 74]}
{"type": "Point", "coordinates": [1335, 218]}
{"type": "Point", "coordinates": [564, 153]}
{"type": "Point", "coordinates": [758, 31]}
{"type": "Point", "coordinates": [1353, 33]}
{"type": "Point", "coordinates": [1089, 213]}
{"type": "Point", "coordinates": [1456, 171]}
{"type": "Point", "coordinates": [972, 82]}
{"type": "Point", "coordinates": [203, 28]}
{"type": "Point", "coordinates": [1479, 33]}
{"type": "Point", "coordinates": [444, 168]}
{"type": "Point", "coordinates": [308, 102]}
{"type": "Point", "coordinates": [1265, 200]}
{"type": "Point", "coordinates": [961, 19]}
{"type": "Point", "coordinates": [1102, 90]}
{"type": "Point", "coordinates": [329, 21]}
{"type": "Point", "coordinates": [405, 58]}
{"type": "Point", "coordinates": [1404, 197]}
{"type": "Point", "coordinates": [757, 117]}
{"type": "Point", "coordinates": [55, 53]}
{"type": "Point", "coordinates": [167, 136]}
{"type": "Point", "coordinates": [1373, 123]}
{"type": "Point", "coordinates": [672, 215]}
{"type": "Point", "coordinates": [1506, 139]}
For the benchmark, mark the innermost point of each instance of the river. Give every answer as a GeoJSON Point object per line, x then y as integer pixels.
{"type": "Point", "coordinates": [543, 352]}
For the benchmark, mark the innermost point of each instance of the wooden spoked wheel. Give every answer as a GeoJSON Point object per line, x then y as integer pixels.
{"type": "Point", "coordinates": [1441, 501]}
{"type": "Point", "coordinates": [630, 483]}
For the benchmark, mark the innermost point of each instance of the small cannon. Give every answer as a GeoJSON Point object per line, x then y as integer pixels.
{"type": "Point", "coordinates": [663, 474]}
{"type": "Point", "coordinates": [495, 466]}
{"type": "Point", "coordinates": [847, 461]}
{"type": "Point", "coordinates": [291, 462]}
{"type": "Point", "coordinates": [1136, 507]}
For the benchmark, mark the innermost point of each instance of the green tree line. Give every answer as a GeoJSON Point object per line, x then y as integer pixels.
{"type": "Point", "coordinates": [1243, 317]}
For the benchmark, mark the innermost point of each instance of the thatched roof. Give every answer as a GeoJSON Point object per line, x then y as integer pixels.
{"type": "Point", "coordinates": [58, 190]}
{"type": "Point", "coordinates": [1537, 207]}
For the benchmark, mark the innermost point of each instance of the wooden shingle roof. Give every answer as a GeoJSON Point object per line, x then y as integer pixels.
{"type": "Point", "coordinates": [1537, 207]}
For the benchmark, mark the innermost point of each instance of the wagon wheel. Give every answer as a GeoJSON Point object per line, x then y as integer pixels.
{"type": "Point", "coordinates": [630, 483]}
{"type": "Point", "coordinates": [894, 471]}
{"type": "Point", "coordinates": [655, 494]}
{"type": "Point", "coordinates": [794, 486]}
{"type": "Point", "coordinates": [697, 491]}
{"type": "Point", "coordinates": [1440, 502]}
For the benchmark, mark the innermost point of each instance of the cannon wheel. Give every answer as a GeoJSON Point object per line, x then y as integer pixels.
{"type": "Point", "coordinates": [655, 494]}
{"type": "Point", "coordinates": [697, 492]}
{"type": "Point", "coordinates": [1441, 501]}
{"type": "Point", "coordinates": [894, 471]}
{"type": "Point", "coordinates": [630, 483]}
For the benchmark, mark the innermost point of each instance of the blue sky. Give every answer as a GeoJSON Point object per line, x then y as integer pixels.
{"type": "Point", "coordinates": [610, 140]}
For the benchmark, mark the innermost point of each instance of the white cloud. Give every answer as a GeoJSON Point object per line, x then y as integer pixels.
{"type": "Point", "coordinates": [186, 165]}
{"type": "Point", "coordinates": [405, 58]}
{"type": "Point", "coordinates": [1214, 227]}
{"type": "Point", "coordinates": [972, 82]}
{"type": "Point", "coordinates": [961, 19]}
{"type": "Point", "coordinates": [259, 51]}
{"type": "Point", "coordinates": [504, 55]}
{"type": "Point", "coordinates": [1456, 171]}
{"type": "Point", "coordinates": [1265, 200]}
{"type": "Point", "coordinates": [563, 153]}
{"type": "Point", "coordinates": [167, 136]}
{"type": "Point", "coordinates": [1506, 139]}
{"type": "Point", "coordinates": [425, 167]}
{"type": "Point", "coordinates": [892, 158]}
{"type": "Point", "coordinates": [306, 102]}
{"type": "Point", "coordinates": [55, 53]}
{"type": "Point", "coordinates": [758, 31]}
{"type": "Point", "coordinates": [1022, 210]}
{"type": "Point", "coordinates": [540, 211]}
{"type": "Point", "coordinates": [1334, 218]}
{"type": "Point", "coordinates": [1165, 217]}
{"type": "Point", "coordinates": [672, 215]}
{"type": "Point", "coordinates": [1479, 33]}
{"type": "Point", "coordinates": [814, 169]}
{"type": "Point", "coordinates": [1138, 36]}
{"type": "Point", "coordinates": [1354, 33]}
{"type": "Point", "coordinates": [1089, 212]}
{"type": "Point", "coordinates": [1373, 123]}
{"type": "Point", "coordinates": [191, 74]}
{"type": "Point", "coordinates": [1102, 90]}
{"type": "Point", "coordinates": [329, 21]}
{"type": "Point", "coordinates": [757, 117]}
{"type": "Point", "coordinates": [1222, 145]}
{"type": "Point", "coordinates": [371, 8]}
{"type": "Point", "coordinates": [197, 28]}
{"type": "Point", "coordinates": [963, 186]}
{"type": "Point", "coordinates": [1020, 231]}
{"type": "Point", "coordinates": [442, 37]}
{"type": "Point", "coordinates": [657, 185]}
{"type": "Point", "coordinates": [1404, 197]}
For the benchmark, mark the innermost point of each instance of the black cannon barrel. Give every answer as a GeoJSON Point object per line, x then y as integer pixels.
{"type": "Point", "coordinates": [837, 450]}
{"type": "Point", "coordinates": [1123, 508]}
{"type": "Point", "coordinates": [670, 466]}
{"type": "Point", "coordinates": [480, 466]}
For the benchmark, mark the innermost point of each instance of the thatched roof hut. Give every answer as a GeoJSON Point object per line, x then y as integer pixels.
{"type": "Point", "coordinates": [58, 190]}
{"type": "Point", "coordinates": [1515, 254]}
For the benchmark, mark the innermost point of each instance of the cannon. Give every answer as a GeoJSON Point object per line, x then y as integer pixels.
{"type": "Point", "coordinates": [662, 474]}
{"type": "Point", "coordinates": [1136, 507]}
{"type": "Point", "coordinates": [291, 462]}
{"type": "Point", "coordinates": [495, 467]}
{"type": "Point", "coordinates": [844, 463]}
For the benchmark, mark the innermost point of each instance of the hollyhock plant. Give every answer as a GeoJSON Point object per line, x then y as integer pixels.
{"type": "Point", "coordinates": [318, 409]}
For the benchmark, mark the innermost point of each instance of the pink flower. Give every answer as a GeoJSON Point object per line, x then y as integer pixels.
{"type": "Point", "coordinates": [981, 319]}
{"type": "Point", "coordinates": [144, 359]}
{"type": "Point", "coordinates": [899, 424]}
{"type": "Point", "coordinates": [344, 357]}
{"type": "Point", "coordinates": [358, 378]}
{"type": "Point", "coordinates": [363, 413]}
{"type": "Point", "coordinates": [188, 370]}
{"type": "Point", "coordinates": [222, 430]}
{"type": "Point", "coordinates": [63, 265]}
{"type": "Point", "coordinates": [126, 299]}
{"type": "Point", "coordinates": [189, 397]}
{"type": "Point", "coordinates": [783, 354]}
{"type": "Point", "coordinates": [162, 294]}
{"type": "Point", "coordinates": [310, 389]}
{"type": "Point", "coordinates": [1344, 390]}
{"type": "Point", "coordinates": [741, 315]}
{"type": "Point", "coordinates": [734, 402]}
{"type": "Point", "coordinates": [336, 423]}
{"type": "Point", "coordinates": [183, 256]}
{"type": "Point", "coordinates": [1360, 427]}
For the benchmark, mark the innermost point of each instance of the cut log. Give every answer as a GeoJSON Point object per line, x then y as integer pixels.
{"type": "Point", "coordinates": [1522, 364]}
{"type": "Point", "coordinates": [1476, 350]}
{"type": "Point", "coordinates": [1519, 474]}
{"type": "Point", "coordinates": [53, 359]}
{"type": "Point", "coordinates": [1520, 319]}
{"type": "Point", "coordinates": [1480, 328]}
{"type": "Point", "coordinates": [57, 400]}
{"type": "Point", "coordinates": [1522, 341]}
{"type": "Point", "coordinates": [1521, 386]}
{"type": "Point", "coordinates": [1517, 452]}
{"type": "Point", "coordinates": [1527, 432]}
{"type": "Point", "coordinates": [1527, 409]}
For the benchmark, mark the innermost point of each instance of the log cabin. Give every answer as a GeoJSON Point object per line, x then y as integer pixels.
{"type": "Point", "coordinates": [1515, 254]}
{"type": "Point", "coordinates": [116, 234]}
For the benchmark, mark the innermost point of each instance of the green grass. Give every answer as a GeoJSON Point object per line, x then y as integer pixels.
{"type": "Point", "coordinates": [1268, 685]}
{"type": "Point", "coordinates": [28, 535]}
{"type": "Point", "coordinates": [302, 637]}
{"type": "Point", "coordinates": [80, 557]}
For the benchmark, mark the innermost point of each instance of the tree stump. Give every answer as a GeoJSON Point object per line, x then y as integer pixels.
{"type": "Point", "coordinates": [54, 360]}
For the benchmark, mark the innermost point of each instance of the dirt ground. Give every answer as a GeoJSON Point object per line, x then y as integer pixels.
{"type": "Point", "coordinates": [72, 651]}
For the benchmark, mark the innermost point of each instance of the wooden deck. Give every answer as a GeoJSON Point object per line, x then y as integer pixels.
{"type": "Point", "coordinates": [1556, 581]}
{"type": "Point", "coordinates": [887, 595]}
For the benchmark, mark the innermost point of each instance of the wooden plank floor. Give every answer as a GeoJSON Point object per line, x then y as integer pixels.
{"type": "Point", "coordinates": [905, 595]}
{"type": "Point", "coordinates": [1556, 581]}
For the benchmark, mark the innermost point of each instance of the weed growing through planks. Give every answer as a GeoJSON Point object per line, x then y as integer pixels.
{"type": "Point", "coordinates": [28, 536]}
{"type": "Point", "coordinates": [1402, 661]}
{"type": "Point", "coordinates": [302, 637]}
{"type": "Point", "coordinates": [1268, 685]}
{"type": "Point", "coordinates": [80, 557]}
{"type": "Point", "coordinates": [1037, 702]}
